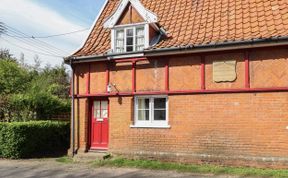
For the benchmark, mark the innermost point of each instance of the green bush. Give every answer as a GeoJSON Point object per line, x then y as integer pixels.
{"type": "Point", "coordinates": [34, 139]}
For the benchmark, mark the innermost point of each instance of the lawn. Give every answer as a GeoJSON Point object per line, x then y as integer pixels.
{"type": "Point", "coordinates": [193, 168]}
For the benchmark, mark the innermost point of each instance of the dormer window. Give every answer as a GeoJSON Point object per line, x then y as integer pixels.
{"type": "Point", "coordinates": [129, 39]}
{"type": "Point", "coordinates": [133, 27]}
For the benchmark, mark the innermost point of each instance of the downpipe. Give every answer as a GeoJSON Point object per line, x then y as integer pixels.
{"type": "Point", "coordinates": [72, 110]}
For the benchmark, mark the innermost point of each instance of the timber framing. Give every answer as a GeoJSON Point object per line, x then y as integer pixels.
{"type": "Point", "coordinates": [167, 91]}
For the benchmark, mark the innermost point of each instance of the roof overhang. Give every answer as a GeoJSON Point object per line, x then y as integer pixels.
{"type": "Point", "coordinates": [190, 49]}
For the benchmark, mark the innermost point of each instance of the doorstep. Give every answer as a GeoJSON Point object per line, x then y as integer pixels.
{"type": "Point", "coordinates": [91, 155]}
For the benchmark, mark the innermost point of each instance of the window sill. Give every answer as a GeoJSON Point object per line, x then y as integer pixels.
{"type": "Point", "coordinates": [151, 126]}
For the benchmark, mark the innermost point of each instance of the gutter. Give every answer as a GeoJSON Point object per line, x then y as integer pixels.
{"type": "Point", "coordinates": [189, 49]}
{"type": "Point", "coordinates": [101, 57]}
{"type": "Point", "coordinates": [211, 47]}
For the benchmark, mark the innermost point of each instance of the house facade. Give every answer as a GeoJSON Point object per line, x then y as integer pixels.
{"type": "Point", "coordinates": [181, 80]}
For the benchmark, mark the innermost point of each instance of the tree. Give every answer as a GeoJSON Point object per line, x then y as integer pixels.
{"type": "Point", "coordinates": [29, 92]}
{"type": "Point", "coordinates": [5, 55]}
{"type": "Point", "coordinates": [13, 80]}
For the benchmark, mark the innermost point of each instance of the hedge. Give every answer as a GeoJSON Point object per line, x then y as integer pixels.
{"type": "Point", "coordinates": [33, 139]}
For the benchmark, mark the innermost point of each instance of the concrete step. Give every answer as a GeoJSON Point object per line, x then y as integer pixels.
{"type": "Point", "coordinates": [91, 156]}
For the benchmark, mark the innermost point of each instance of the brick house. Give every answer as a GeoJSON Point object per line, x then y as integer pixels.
{"type": "Point", "coordinates": [191, 81]}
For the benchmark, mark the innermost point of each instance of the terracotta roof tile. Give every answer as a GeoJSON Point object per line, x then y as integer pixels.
{"type": "Point", "coordinates": [201, 22]}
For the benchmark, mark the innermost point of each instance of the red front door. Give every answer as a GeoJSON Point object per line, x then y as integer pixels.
{"type": "Point", "coordinates": [99, 124]}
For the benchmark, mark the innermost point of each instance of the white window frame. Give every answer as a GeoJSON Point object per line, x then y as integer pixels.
{"type": "Point", "coordinates": [151, 123]}
{"type": "Point", "coordinates": [125, 27]}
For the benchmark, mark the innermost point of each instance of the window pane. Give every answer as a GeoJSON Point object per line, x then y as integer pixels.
{"type": "Point", "coordinates": [160, 103]}
{"type": "Point", "coordinates": [160, 115]}
{"type": "Point", "coordinates": [129, 32]}
{"type": "Point", "coordinates": [97, 113]}
{"type": "Point", "coordinates": [104, 105]}
{"type": "Point", "coordinates": [143, 103]}
{"type": "Point", "coordinates": [140, 31]}
{"type": "Point", "coordinates": [140, 41]}
{"type": "Point", "coordinates": [119, 43]}
{"type": "Point", "coordinates": [104, 113]}
{"type": "Point", "coordinates": [129, 48]}
{"type": "Point", "coordinates": [129, 41]}
{"type": "Point", "coordinates": [119, 50]}
{"type": "Point", "coordinates": [139, 48]}
{"type": "Point", "coordinates": [120, 34]}
{"type": "Point", "coordinates": [143, 115]}
{"type": "Point", "coordinates": [96, 105]}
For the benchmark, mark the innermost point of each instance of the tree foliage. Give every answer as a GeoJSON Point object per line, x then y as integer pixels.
{"type": "Point", "coordinates": [31, 93]}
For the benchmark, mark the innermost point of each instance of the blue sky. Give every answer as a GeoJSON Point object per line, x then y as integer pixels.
{"type": "Point", "coordinates": [44, 18]}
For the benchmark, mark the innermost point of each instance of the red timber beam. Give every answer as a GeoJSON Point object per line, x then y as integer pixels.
{"type": "Point", "coordinates": [183, 92]}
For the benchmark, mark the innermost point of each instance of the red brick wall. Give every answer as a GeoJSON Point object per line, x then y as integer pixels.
{"type": "Point", "coordinates": [188, 67]}
{"type": "Point", "coordinates": [269, 68]}
{"type": "Point", "coordinates": [150, 75]}
{"type": "Point", "coordinates": [81, 125]}
{"type": "Point", "coordinates": [97, 77]}
{"type": "Point", "coordinates": [231, 128]}
{"type": "Point", "coordinates": [224, 126]}
{"type": "Point", "coordinates": [81, 73]}
{"type": "Point", "coordinates": [121, 77]}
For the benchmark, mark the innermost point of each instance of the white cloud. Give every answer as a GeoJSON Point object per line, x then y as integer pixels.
{"type": "Point", "coordinates": [37, 20]}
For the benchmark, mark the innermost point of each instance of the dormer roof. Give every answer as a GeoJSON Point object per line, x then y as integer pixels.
{"type": "Point", "coordinates": [147, 15]}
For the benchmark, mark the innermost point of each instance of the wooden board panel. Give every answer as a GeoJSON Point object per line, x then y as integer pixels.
{"type": "Point", "coordinates": [136, 18]}
{"type": "Point", "coordinates": [240, 71]}
{"type": "Point", "coordinates": [129, 16]}
{"type": "Point", "coordinates": [224, 70]}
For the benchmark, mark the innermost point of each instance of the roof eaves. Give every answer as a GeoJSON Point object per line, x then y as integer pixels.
{"type": "Point", "coordinates": [227, 45]}
{"type": "Point", "coordinates": [199, 48]}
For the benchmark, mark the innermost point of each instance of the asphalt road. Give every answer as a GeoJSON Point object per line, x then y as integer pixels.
{"type": "Point", "coordinates": [51, 168]}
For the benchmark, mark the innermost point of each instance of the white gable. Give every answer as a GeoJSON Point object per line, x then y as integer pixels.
{"type": "Point", "coordinates": [146, 14]}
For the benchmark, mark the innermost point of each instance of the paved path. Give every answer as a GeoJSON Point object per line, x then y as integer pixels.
{"type": "Point", "coordinates": [51, 168]}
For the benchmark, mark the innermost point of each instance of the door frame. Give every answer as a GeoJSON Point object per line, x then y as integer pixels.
{"type": "Point", "coordinates": [90, 107]}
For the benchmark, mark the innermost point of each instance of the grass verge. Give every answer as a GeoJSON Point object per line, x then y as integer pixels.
{"type": "Point", "coordinates": [193, 168]}
{"type": "Point", "coordinates": [65, 159]}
